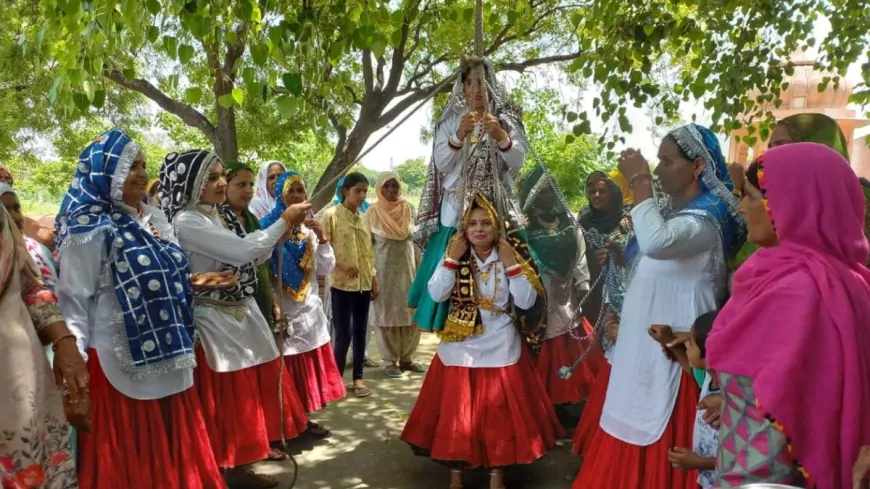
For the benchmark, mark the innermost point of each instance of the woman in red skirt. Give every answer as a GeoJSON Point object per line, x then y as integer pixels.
{"type": "Point", "coordinates": [236, 342]}
{"type": "Point", "coordinates": [124, 291]}
{"type": "Point", "coordinates": [678, 257]}
{"type": "Point", "coordinates": [482, 403]}
{"type": "Point", "coordinates": [307, 351]}
{"type": "Point", "coordinates": [559, 249]}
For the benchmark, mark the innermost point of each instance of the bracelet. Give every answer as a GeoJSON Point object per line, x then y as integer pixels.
{"type": "Point", "coordinates": [325, 241]}
{"type": "Point", "coordinates": [55, 342]}
{"type": "Point", "coordinates": [638, 175]}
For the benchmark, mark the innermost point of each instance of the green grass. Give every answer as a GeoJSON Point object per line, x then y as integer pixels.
{"type": "Point", "coordinates": [36, 209]}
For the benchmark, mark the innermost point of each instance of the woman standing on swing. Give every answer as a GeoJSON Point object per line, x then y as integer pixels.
{"type": "Point", "coordinates": [472, 141]}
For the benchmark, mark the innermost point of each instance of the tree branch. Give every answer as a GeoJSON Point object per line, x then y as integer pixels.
{"type": "Point", "coordinates": [235, 51]}
{"type": "Point", "coordinates": [186, 113]}
{"type": "Point", "coordinates": [379, 86]}
{"type": "Point", "coordinates": [368, 76]}
{"type": "Point", "coordinates": [397, 66]}
{"type": "Point", "coordinates": [415, 97]}
{"type": "Point", "coordinates": [529, 63]}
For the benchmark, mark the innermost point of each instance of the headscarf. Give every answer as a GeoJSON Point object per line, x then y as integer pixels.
{"type": "Point", "coordinates": [182, 179]}
{"type": "Point", "coordinates": [392, 220]}
{"type": "Point", "coordinates": [263, 202]}
{"type": "Point", "coordinates": [296, 257]}
{"type": "Point", "coordinates": [602, 221]}
{"type": "Point", "coordinates": [150, 276]}
{"type": "Point", "coordinates": [339, 199]}
{"type": "Point", "coordinates": [463, 321]}
{"type": "Point", "coordinates": [816, 128]}
{"type": "Point", "coordinates": [480, 161]}
{"type": "Point", "coordinates": [716, 202]}
{"type": "Point", "coordinates": [796, 322]}
{"type": "Point", "coordinates": [263, 294]}
{"type": "Point", "coordinates": [13, 256]}
{"type": "Point", "coordinates": [619, 179]}
{"type": "Point", "coordinates": [554, 249]}
{"type": "Point", "coordinates": [39, 253]}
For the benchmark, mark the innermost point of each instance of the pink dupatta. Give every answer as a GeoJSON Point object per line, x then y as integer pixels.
{"type": "Point", "coordinates": [798, 322]}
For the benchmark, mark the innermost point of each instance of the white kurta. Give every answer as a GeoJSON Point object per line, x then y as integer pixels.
{"type": "Point", "coordinates": [674, 282]}
{"type": "Point", "coordinates": [308, 328]}
{"type": "Point", "coordinates": [563, 293]}
{"type": "Point", "coordinates": [229, 344]}
{"type": "Point", "coordinates": [447, 162]}
{"type": "Point", "coordinates": [499, 345]}
{"type": "Point", "coordinates": [86, 296]}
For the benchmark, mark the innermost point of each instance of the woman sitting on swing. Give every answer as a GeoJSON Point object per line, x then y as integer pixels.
{"type": "Point", "coordinates": [482, 403]}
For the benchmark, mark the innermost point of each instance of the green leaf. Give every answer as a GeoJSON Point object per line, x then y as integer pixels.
{"type": "Point", "coordinates": [88, 87]}
{"type": "Point", "coordinates": [170, 45]}
{"type": "Point", "coordinates": [396, 38]}
{"type": "Point", "coordinates": [249, 75]}
{"type": "Point", "coordinates": [99, 99]}
{"type": "Point", "coordinates": [238, 95]}
{"type": "Point", "coordinates": [378, 45]}
{"type": "Point", "coordinates": [153, 34]}
{"type": "Point", "coordinates": [287, 106]}
{"type": "Point", "coordinates": [276, 34]}
{"type": "Point", "coordinates": [648, 29]}
{"type": "Point", "coordinates": [571, 116]}
{"type": "Point", "coordinates": [185, 53]}
{"type": "Point", "coordinates": [293, 83]}
{"type": "Point", "coordinates": [153, 6]}
{"type": "Point", "coordinates": [336, 49]}
{"type": "Point", "coordinates": [260, 53]}
{"type": "Point", "coordinates": [193, 95]}
{"type": "Point", "coordinates": [226, 100]}
{"type": "Point", "coordinates": [81, 101]}
{"type": "Point", "coordinates": [129, 73]}
{"type": "Point", "coordinates": [570, 138]}
{"type": "Point", "coordinates": [576, 19]}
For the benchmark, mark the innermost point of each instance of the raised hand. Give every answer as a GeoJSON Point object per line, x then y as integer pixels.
{"type": "Point", "coordinates": [466, 125]}
{"type": "Point", "coordinates": [492, 126]}
{"type": "Point", "coordinates": [631, 163]}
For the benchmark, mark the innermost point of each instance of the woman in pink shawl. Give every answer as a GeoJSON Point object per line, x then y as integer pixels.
{"type": "Point", "coordinates": [792, 345]}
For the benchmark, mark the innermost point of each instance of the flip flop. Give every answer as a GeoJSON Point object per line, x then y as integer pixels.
{"type": "Point", "coordinates": [393, 372]}
{"type": "Point", "coordinates": [318, 431]}
{"type": "Point", "coordinates": [362, 391]}
{"type": "Point", "coordinates": [413, 367]}
{"type": "Point", "coordinates": [276, 455]}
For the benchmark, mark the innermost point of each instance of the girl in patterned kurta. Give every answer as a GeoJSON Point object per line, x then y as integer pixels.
{"type": "Point", "coordinates": [791, 346]}
{"type": "Point", "coordinates": [35, 450]}
{"type": "Point", "coordinates": [392, 222]}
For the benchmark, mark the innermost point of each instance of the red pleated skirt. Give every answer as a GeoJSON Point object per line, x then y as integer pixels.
{"type": "Point", "coordinates": [233, 412]}
{"type": "Point", "coordinates": [295, 419]}
{"type": "Point", "coordinates": [317, 378]}
{"type": "Point", "coordinates": [483, 417]}
{"type": "Point", "coordinates": [562, 351]}
{"type": "Point", "coordinates": [588, 425]}
{"type": "Point", "coordinates": [135, 444]}
{"type": "Point", "coordinates": [614, 464]}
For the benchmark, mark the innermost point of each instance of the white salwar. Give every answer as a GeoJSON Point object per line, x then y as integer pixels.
{"type": "Point", "coordinates": [307, 327]}
{"type": "Point", "coordinates": [674, 282]}
{"type": "Point", "coordinates": [499, 345]}
{"type": "Point", "coordinates": [86, 296]}
{"type": "Point", "coordinates": [447, 160]}
{"type": "Point", "coordinates": [229, 344]}
{"type": "Point", "coordinates": [563, 292]}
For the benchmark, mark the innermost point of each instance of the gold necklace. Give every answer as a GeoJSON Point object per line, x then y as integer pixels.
{"type": "Point", "coordinates": [487, 303]}
{"type": "Point", "coordinates": [551, 227]}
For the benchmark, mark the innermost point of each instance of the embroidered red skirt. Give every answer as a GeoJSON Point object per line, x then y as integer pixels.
{"type": "Point", "coordinates": [588, 424]}
{"type": "Point", "coordinates": [138, 444]}
{"type": "Point", "coordinates": [615, 464]}
{"type": "Point", "coordinates": [295, 419]}
{"type": "Point", "coordinates": [233, 412]}
{"type": "Point", "coordinates": [317, 378]}
{"type": "Point", "coordinates": [483, 417]}
{"type": "Point", "coordinates": [562, 351]}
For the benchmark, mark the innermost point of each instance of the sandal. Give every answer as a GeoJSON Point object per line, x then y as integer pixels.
{"type": "Point", "coordinates": [246, 478]}
{"type": "Point", "coordinates": [371, 364]}
{"type": "Point", "coordinates": [361, 391]}
{"type": "Point", "coordinates": [276, 455]}
{"type": "Point", "coordinates": [393, 371]}
{"type": "Point", "coordinates": [318, 431]}
{"type": "Point", "coordinates": [413, 367]}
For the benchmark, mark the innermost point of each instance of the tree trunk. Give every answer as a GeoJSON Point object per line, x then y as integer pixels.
{"type": "Point", "coordinates": [226, 139]}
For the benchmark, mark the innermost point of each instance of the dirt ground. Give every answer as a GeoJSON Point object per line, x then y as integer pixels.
{"type": "Point", "coordinates": [365, 450]}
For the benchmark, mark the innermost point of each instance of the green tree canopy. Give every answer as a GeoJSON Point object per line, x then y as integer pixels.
{"type": "Point", "coordinates": [413, 173]}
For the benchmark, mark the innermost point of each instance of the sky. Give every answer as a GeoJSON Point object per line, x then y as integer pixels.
{"type": "Point", "coordinates": [404, 143]}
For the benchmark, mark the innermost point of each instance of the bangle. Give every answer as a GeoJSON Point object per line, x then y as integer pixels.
{"type": "Point", "coordinates": [645, 175]}
{"type": "Point", "coordinates": [323, 242]}
{"type": "Point", "coordinates": [55, 342]}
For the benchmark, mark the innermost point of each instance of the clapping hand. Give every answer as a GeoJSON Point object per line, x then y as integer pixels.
{"type": "Point", "coordinates": [631, 163]}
